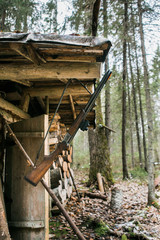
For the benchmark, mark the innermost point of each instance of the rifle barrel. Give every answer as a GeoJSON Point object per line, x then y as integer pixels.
{"type": "Point", "coordinates": [91, 102]}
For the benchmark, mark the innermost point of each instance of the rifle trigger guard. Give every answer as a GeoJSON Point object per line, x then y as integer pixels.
{"type": "Point", "coordinates": [84, 125]}
{"type": "Point", "coordinates": [67, 137]}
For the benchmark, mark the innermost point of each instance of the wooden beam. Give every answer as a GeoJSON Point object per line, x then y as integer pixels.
{"type": "Point", "coordinates": [23, 82]}
{"type": "Point", "coordinates": [63, 58]}
{"type": "Point", "coordinates": [27, 51]}
{"type": "Point", "coordinates": [52, 70]}
{"type": "Point", "coordinates": [9, 117]}
{"type": "Point", "coordinates": [34, 55]}
{"type": "Point", "coordinates": [22, 50]}
{"type": "Point", "coordinates": [71, 51]}
{"type": "Point", "coordinates": [67, 101]}
{"type": "Point", "coordinates": [56, 91]}
{"type": "Point", "coordinates": [7, 106]}
{"type": "Point", "coordinates": [72, 107]}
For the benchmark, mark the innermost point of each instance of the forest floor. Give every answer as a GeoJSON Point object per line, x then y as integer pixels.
{"type": "Point", "coordinates": [96, 219]}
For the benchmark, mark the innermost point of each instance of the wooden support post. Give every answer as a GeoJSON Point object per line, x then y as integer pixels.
{"type": "Point", "coordinates": [72, 106]}
{"type": "Point", "coordinates": [47, 104]}
{"type": "Point", "coordinates": [50, 192]}
{"type": "Point", "coordinates": [4, 232]}
{"type": "Point", "coordinates": [41, 103]}
{"type": "Point", "coordinates": [24, 105]}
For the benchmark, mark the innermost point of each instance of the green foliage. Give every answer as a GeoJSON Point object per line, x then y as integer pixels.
{"type": "Point", "coordinates": [139, 173]}
{"type": "Point", "coordinates": [51, 18]}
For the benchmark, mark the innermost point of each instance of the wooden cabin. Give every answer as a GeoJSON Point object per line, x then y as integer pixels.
{"type": "Point", "coordinates": [34, 70]}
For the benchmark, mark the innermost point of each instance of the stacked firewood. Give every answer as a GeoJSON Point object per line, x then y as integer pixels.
{"type": "Point", "coordinates": [60, 174]}
{"type": "Point", "coordinates": [57, 131]}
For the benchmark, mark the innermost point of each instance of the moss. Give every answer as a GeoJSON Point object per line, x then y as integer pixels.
{"type": "Point", "coordinates": [124, 237]}
{"type": "Point", "coordinates": [99, 227]}
{"type": "Point", "coordinates": [54, 229]}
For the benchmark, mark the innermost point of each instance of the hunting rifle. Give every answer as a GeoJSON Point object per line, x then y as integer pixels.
{"type": "Point", "coordinates": [38, 172]}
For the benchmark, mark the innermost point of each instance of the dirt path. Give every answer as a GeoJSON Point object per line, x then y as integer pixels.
{"type": "Point", "coordinates": [94, 216]}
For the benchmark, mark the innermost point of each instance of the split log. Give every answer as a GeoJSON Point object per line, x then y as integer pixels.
{"type": "Point", "coordinates": [100, 182]}
{"type": "Point", "coordinates": [55, 177]}
{"type": "Point", "coordinates": [60, 193]}
{"type": "Point", "coordinates": [59, 162]}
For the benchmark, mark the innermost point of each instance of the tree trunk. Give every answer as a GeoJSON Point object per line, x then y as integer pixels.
{"type": "Point", "coordinates": [135, 108]}
{"type": "Point", "coordinates": [107, 88]}
{"type": "Point", "coordinates": [151, 170]}
{"type": "Point", "coordinates": [99, 155]}
{"type": "Point", "coordinates": [89, 4]}
{"type": "Point", "coordinates": [140, 98]}
{"type": "Point", "coordinates": [96, 7]}
{"type": "Point", "coordinates": [124, 160]}
{"type": "Point", "coordinates": [3, 20]}
{"type": "Point", "coordinates": [131, 123]}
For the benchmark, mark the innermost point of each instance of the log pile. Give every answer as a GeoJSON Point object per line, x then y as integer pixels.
{"type": "Point", "coordinates": [61, 181]}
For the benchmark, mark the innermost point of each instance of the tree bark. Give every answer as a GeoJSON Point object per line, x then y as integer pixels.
{"type": "Point", "coordinates": [135, 108]}
{"type": "Point", "coordinates": [3, 20]}
{"type": "Point", "coordinates": [124, 160]}
{"type": "Point", "coordinates": [151, 170]}
{"type": "Point", "coordinates": [107, 88]}
{"type": "Point", "coordinates": [96, 7]}
{"type": "Point", "coordinates": [140, 96]}
{"type": "Point", "coordinates": [131, 123]}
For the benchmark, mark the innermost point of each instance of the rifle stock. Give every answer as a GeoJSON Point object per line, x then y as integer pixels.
{"type": "Point", "coordinates": [35, 176]}
{"type": "Point", "coordinates": [38, 172]}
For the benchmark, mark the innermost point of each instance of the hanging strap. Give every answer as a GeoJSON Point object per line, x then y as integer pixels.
{"type": "Point", "coordinates": [39, 151]}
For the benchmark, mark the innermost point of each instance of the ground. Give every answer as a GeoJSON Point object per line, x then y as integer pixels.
{"type": "Point", "coordinates": [97, 220]}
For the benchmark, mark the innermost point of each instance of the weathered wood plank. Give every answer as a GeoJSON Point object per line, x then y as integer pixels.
{"type": "Point", "coordinates": [52, 70]}
{"type": "Point", "coordinates": [71, 51]}
{"type": "Point", "coordinates": [29, 134]}
{"type": "Point", "coordinates": [63, 58]}
{"type": "Point", "coordinates": [57, 91]}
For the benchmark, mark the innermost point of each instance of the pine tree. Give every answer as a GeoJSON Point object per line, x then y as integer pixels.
{"type": "Point", "coordinates": [150, 166]}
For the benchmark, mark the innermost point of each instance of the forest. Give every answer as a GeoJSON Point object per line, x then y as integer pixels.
{"type": "Point", "coordinates": [124, 146]}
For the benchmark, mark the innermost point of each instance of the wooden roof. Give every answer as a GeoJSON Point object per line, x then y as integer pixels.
{"type": "Point", "coordinates": [37, 67]}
